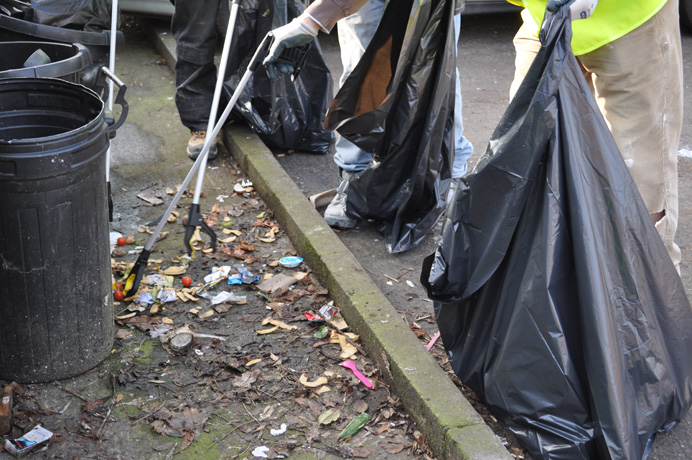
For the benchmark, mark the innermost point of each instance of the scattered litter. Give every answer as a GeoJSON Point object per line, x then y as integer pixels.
{"type": "Point", "coordinates": [687, 153]}
{"type": "Point", "coordinates": [328, 312]}
{"type": "Point", "coordinates": [291, 262]}
{"type": "Point", "coordinates": [224, 296]}
{"type": "Point", "coordinates": [280, 431]}
{"type": "Point", "coordinates": [167, 295]}
{"type": "Point", "coordinates": [29, 441]}
{"type": "Point", "coordinates": [276, 283]}
{"type": "Point", "coordinates": [432, 341]}
{"type": "Point", "coordinates": [6, 410]}
{"type": "Point", "coordinates": [159, 330]}
{"type": "Point", "coordinates": [389, 283]}
{"type": "Point", "coordinates": [113, 237]}
{"type": "Point", "coordinates": [145, 298]}
{"type": "Point", "coordinates": [199, 352]}
{"type": "Point", "coordinates": [217, 274]}
{"type": "Point", "coordinates": [240, 188]}
{"type": "Point", "coordinates": [410, 283]}
{"type": "Point", "coordinates": [322, 332]}
{"type": "Point", "coordinates": [157, 279]}
{"type": "Point", "coordinates": [356, 424]}
{"type": "Point", "coordinates": [261, 451]}
{"type": "Point", "coordinates": [151, 199]}
{"type": "Point", "coordinates": [244, 276]}
{"type": "Point", "coordinates": [221, 198]}
{"type": "Point", "coordinates": [348, 364]}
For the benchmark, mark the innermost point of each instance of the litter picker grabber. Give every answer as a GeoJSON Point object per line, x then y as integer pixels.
{"type": "Point", "coordinates": [195, 218]}
{"type": "Point", "coordinates": [294, 57]}
{"type": "Point", "coordinates": [111, 67]}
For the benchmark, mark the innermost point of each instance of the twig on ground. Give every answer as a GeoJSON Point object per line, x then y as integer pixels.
{"type": "Point", "coordinates": [67, 390]}
{"type": "Point", "coordinates": [298, 336]}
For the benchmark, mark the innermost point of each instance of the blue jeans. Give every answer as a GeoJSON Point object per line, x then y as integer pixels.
{"type": "Point", "coordinates": [355, 33]}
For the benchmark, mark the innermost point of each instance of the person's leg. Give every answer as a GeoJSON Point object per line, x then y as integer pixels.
{"type": "Point", "coordinates": [642, 104]}
{"type": "Point", "coordinates": [526, 46]}
{"type": "Point", "coordinates": [194, 30]}
{"type": "Point", "coordinates": [355, 33]}
{"type": "Point", "coordinates": [463, 149]}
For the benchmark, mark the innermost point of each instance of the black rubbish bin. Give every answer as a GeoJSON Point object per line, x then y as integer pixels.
{"type": "Point", "coordinates": [67, 61]}
{"type": "Point", "coordinates": [98, 44]}
{"type": "Point", "coordinates": [56, 310]}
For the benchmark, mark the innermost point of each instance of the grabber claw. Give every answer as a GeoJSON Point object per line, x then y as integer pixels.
{"type": "Point", "coordinates": [195, 220]}
{"type": "Point", "coordinates": [135, 276]}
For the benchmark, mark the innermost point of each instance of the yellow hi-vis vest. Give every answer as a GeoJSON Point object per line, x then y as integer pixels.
{"type": "Point", "coordinates": [610, 20]}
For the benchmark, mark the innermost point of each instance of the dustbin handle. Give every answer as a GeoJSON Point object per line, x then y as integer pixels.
{"type": "Point", "coordinates": [119, 99]}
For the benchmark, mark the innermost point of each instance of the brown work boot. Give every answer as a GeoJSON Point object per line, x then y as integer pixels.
{"type": "Point", "coordinates": [196, 143]}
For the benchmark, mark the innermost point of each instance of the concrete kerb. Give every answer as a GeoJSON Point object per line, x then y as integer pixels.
{"type": "Point", "coordinates": [451, 425]}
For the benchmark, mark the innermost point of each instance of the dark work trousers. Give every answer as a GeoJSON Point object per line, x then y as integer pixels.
{"type": "Point", "coordinates": [197, 27]}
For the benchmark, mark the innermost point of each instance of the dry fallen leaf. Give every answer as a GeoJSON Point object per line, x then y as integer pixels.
{"type": "Point", "coordinates": [323, 389]}
{"type": "Point", "coordinates": [314, 384]}
{"type": "Point", "coordinates": [329, 416]}
{"type": "Point", "coordinates": [267, 331]}
{"type": "Point", "coordinates": [276, 322]}
{"type": "Point", "coordinates": [300, 276]}
{"type": "Point", "coordinates": [175, 270]}
{"type": "Point", "coordinates": [123, 334]}
{"type": "Point", "coordinates": [127, 316]}
{"type": "Point", "coordinates": [347, 350]}
{"type": "Point", "coordinates": [360, 406]}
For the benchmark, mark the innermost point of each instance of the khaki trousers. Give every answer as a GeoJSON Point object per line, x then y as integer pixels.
{"type": "Point", "coordinates": [637, 83]}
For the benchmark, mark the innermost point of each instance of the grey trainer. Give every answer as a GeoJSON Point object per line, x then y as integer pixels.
{"type": "Point", "coordinates": [335, 214]}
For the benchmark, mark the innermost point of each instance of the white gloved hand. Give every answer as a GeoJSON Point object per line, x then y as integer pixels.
{"type": "Point", "coordinates": [578, 9]}
{"type": "Point", "coordinates": [295, 33]}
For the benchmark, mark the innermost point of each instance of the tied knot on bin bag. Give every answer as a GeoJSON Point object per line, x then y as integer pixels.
{"type": "Point", "coordinates": [555, 298]}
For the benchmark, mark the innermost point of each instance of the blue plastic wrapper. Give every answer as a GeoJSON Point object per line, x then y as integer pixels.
{"type": "Point", "coordinates": [555, 298]}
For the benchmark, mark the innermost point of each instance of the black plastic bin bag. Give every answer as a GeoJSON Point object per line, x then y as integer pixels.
{"type": "Point", "coordinates": [398, 104]}
{"type": "Point", "coordinates": [89, 15]}
{"type": "Point", "coordinates": [555, 298]}
{"type": "Point", "coordinates": [286, 114]}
